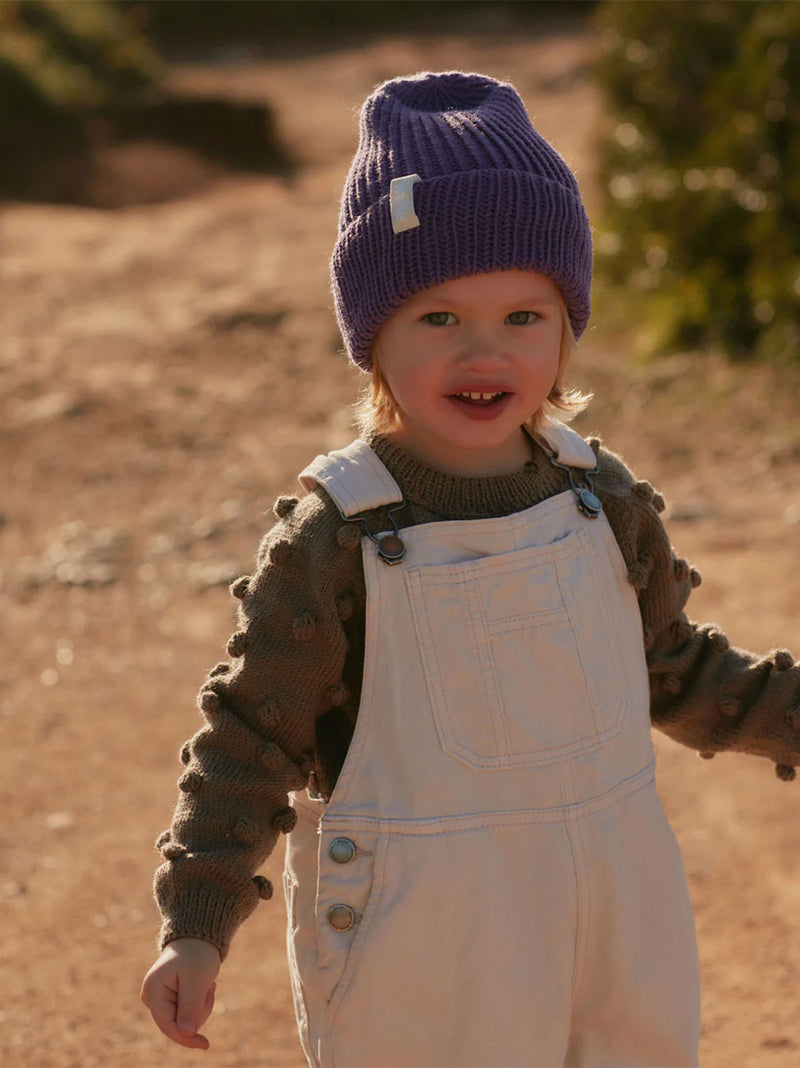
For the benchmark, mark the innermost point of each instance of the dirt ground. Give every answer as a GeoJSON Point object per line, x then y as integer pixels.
{"type": "Point", "coordinates": [166, 370]}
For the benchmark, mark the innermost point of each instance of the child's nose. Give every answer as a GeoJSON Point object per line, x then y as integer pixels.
{"type": "Point", "coordinates": [481, 348]}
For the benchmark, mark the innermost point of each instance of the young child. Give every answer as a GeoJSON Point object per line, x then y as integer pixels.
{"type": "Point", "coordinates": [457, 640]}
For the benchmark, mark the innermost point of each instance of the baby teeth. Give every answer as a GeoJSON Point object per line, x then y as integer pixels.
{"type": "Point", "coordinates": [479, 396]}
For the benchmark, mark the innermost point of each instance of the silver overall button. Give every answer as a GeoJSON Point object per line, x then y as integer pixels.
{"type": "Point", "coordinates": [341, 917]}
{"type": "Point", "coordinates": [342, 850]}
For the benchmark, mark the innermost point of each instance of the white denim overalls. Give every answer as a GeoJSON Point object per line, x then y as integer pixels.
{"type": "Point", "coordinates": [493, 881]}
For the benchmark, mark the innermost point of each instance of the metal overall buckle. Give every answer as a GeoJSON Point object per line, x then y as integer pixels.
{"type": "Point", "coordinates": [391, 547]}
{"type": "Point", "coordinates": [588, 501]}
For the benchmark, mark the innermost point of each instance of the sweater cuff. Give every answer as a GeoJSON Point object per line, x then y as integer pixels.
{"type": "Point", "coordinates": [206, 914]}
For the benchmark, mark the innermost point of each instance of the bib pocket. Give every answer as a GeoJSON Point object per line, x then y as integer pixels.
{"type": "Point", "coordinates": [518, 655]}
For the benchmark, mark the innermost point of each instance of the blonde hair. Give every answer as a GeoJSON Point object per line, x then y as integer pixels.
{"type": "Point", "coordinates": [376, 409]}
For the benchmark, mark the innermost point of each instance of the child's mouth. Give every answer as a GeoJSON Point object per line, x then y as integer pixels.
{"type": "Point", "coordinates": [481, 399]}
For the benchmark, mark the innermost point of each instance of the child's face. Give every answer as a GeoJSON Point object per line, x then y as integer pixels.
{"type": "Point", "coordinates": [496, 335]}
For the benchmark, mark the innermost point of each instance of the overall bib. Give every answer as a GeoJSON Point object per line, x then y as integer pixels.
{"type": "Point", "coordinates": [493, 882]}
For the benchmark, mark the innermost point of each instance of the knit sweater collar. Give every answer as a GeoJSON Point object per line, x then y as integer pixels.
{"type": "Point", "coordinates": [463, 497]}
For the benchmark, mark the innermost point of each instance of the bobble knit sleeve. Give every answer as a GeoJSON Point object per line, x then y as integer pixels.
{"type": "Point", "coordinates": [703, 692]}
{"type": "Point", "coordinates": [258, 741]}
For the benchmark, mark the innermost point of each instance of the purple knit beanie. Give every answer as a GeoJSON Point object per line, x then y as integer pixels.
{"type": "Point", "coordinates": [481, 191]}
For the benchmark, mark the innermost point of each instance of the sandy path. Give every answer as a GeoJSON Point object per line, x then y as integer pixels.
{"type": "Point", "coordinates": [165, 372]}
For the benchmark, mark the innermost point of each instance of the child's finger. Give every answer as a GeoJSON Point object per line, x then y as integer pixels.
{"type": "Point", "coordinates": [163, 1005]}
{"type": "Point", "coordinates": [165, 1018]}
{"type": "Point", "coordinates": [193, 1041]}
{"type": "Point", "coordinates": [195, 1000]}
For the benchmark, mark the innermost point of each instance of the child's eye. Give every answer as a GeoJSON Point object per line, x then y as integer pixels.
{"type": "Point", "coordinates": [440, 318]}
{"type": "Point", "coordinates": [521, 318]}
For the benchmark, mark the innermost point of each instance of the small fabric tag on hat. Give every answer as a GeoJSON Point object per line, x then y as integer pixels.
{"type": "Point", "coordinates": [401, 202]}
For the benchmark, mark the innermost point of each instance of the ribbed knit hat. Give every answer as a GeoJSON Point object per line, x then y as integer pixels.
{"type": "Point", "coordinates": [481, 191]}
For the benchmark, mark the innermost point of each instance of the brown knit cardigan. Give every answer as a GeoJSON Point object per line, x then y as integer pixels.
{"type": "Point", "coordinates": [280, 713]}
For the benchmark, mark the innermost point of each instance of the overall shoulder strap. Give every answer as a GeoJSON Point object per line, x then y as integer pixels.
{"type": "Point", "coordinates": [569, 447]}
{"type": "Point", "coordinates": [354, 478]}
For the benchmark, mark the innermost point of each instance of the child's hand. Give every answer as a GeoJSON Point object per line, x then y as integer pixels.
{"type": "Point", "coordinates": [179, 990]}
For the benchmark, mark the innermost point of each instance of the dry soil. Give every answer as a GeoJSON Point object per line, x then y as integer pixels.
{"type": "Point", "coordinates": [166, 369]}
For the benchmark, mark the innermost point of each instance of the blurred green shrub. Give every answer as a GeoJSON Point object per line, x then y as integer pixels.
{"type": "Point", "coordinates": [700, 172]}
{"type": "Point", "coordinates": [78, 78]}
{"type": "Point", "coordinates": [60, 62]}
{"type": "Point", "coordinates": [63, 55]}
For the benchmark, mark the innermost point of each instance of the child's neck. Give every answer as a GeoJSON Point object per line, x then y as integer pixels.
{"type": "Point", "coordinates": [467, 463]}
